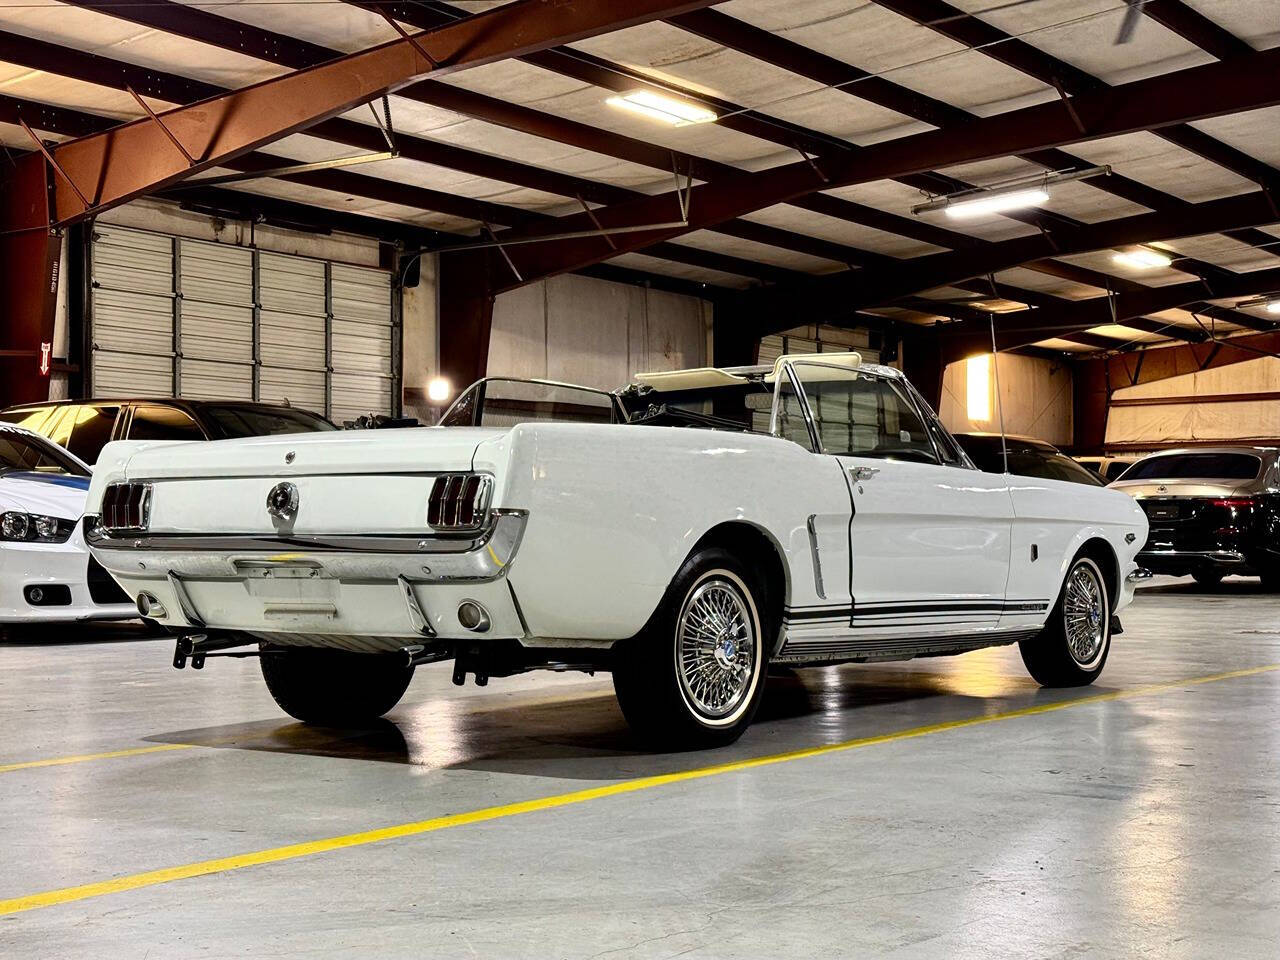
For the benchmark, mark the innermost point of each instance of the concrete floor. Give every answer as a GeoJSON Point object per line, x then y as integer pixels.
{"type": "Point", "coordinates": [1142, 825]}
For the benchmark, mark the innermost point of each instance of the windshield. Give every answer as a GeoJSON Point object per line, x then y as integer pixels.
{"type": "Point", "coordinates": [264, 422]}
{"type": "Point", "coordinates": [19, 452]}
{"type": "Point", "coordinates": [1196, 466]}
{"type": "Point", "coordinates": [499, 402]}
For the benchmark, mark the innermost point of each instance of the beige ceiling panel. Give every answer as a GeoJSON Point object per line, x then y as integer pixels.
{"type": "Point", "coordinates": [1089, 204]}
{"type": "Point", "coordinates": [1030, 279]}
{"type": "Point", "coordinates": [542, 90]}
{"type": "Point", "coordinates": [1083, 33]}
{"type": "Point", "coordinates": [973, 81]}
{"type": "Point", "coordinates": [118, 39]}
{"type": "Point", "coordinates": [284, 190]}
{"type": "Point", "coordinates": [759, 252]}
{"type": "Point", "coordinates": [1251, 20]}
{"type": "Point", "coordinates": [788, 217]}
{"type": "Point", "coordinates": [59, 91]}
{"type": "Point", "coordinates": [1148, 159]}
{"type": "Point", "coordinates": [638, 261]}
{"type": "Point", "coordinates": [1067, 346]}
{"type": "Point", "coordinates": [1125, 335]}
{"type": "Point", "coordinates": [1223, 251]}
{"type": "Point", "coordinates": [341, 26]}
{"type": "Point", "coordinates": [1256, 132]}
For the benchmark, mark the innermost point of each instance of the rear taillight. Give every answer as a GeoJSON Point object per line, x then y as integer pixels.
{"type": "Point", "coordinates": [1234, 503]}
{"type": "Point", "coordinates": [459, 501]}
{"type": "Point", "coordinates": [126, 507]}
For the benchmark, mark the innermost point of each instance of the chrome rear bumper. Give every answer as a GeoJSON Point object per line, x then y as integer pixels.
{"type": "Point", "coordinates": [432, 558]}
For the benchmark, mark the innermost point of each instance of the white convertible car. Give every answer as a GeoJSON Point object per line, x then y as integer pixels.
{"type": "Point", "coordinates": [46, 574]}
{"type": "Point", "coordinates": [683, 533]}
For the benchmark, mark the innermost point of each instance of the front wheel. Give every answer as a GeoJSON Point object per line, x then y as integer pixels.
{"type": "Point", "coordinates": [333, 688]}
{"type": "Point", "coordinates": [694, 676]}
{"type": "Point", "coordinates": [1072, 648]}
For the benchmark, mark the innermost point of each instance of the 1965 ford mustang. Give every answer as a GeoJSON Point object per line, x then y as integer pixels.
{"type": "Point", "coordinates": [684, 533]}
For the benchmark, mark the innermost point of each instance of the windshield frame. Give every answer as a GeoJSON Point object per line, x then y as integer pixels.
{"type": "Point", "coordinates": [475, 395]}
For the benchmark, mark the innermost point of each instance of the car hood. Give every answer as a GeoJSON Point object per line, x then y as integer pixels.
{"type": "Point", "coordinates": [1183, 488]}
{"type": "Point", "coordinates": [50, 494]}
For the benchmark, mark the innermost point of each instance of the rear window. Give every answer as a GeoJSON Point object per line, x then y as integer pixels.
{"type": "Point", "coordinates": [1196, 466]}
{"type": "Point", "coordinates": [259, 422]}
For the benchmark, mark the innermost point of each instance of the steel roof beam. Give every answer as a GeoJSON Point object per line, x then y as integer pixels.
{"type": "Point", "coordinates": [1196, 93]}
{"type": "Point", "coordinates": [138, 157]}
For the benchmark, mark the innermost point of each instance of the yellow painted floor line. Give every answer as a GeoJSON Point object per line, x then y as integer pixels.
{"type": "Point", "coordinates": [81, 758]}
{"type": "Point", "coordinates": [293, 851]}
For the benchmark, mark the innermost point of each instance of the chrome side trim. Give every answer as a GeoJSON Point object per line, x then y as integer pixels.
{"type": "Point", "coordinates": [184, 600]}
{"type": "Point", "coordinates": [417, 616]}
{"type": "Point", "coordinates": [1139, 575]}
{"type": "Point", "coordinates": [817, 560]}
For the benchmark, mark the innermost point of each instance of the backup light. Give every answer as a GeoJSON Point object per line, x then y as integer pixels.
{"type": "Point", "coordinates": [1143, 258]}
{"type": "Point", "coordinates": [997, 203]}
{"type": "Point", "coordinates": [678, 113]}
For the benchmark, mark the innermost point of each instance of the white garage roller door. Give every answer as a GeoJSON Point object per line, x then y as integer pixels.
{"type": "Point", "coordinates": [173, 316]}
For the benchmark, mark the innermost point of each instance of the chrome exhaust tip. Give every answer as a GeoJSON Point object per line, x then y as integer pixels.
{"type": "Point", "coordinates": [473, 616]}
{"type": "Point", "coordinates": [151, 607]}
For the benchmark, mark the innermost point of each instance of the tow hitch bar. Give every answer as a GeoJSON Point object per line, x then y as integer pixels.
{"type": "Point", "coordinates": [197, 646]}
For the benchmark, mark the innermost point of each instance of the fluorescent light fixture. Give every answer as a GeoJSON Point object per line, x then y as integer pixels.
{"type": "Point", "coordinates": [1143, 258]}
{"type": "Point", "coordinates": [978, 387]}
{"type": "Point", "coordinates": [1006, 195]}
{"type": "Point", "coordinates": [1273, 306]}
{"type": "Point", "coordinates": [1269, 302]}
{"type": "Point", "coordinates": [438, 390]}
{"type": "Point", "coordinates": [997, 203]}
{"type": "Point", "coordinates": [678, 113]}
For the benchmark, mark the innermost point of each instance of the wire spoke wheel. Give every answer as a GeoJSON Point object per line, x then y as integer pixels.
{"type": "Point", "coordinates": [1084, 613]}
{"type": "Point", "coordinates": [716, 648]}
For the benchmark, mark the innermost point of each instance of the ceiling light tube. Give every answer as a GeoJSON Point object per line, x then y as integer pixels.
{"type": "Point", "coordinates": [1269, 302]}
{"type": "Point", "coordinates": [1007, 195]}
{"type": "Point", "coordinates": [997, 203]}
{"type": "Point", "coordinates": [678, 113]}
{"type": "Point", "coordinates": [1143, 258]}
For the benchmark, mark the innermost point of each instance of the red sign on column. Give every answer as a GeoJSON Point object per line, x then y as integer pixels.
{"type": "Point", "coordinates": [46, 353]}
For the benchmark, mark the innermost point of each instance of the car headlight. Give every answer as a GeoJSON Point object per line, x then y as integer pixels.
{"type": "Point", "coordinates": [35, 528]}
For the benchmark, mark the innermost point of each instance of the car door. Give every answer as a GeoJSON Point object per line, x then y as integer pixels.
{"type": "Point", "coordinates": [930, 535]}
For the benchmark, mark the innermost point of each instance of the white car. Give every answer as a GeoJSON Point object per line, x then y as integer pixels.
{"type": "Point", "coordinates": [683, 533]}
{"type": "Point", "coordinates": [46, 573]}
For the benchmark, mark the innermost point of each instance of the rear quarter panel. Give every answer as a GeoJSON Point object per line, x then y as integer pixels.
{"type": "Point", "coordinates": [615, 510]}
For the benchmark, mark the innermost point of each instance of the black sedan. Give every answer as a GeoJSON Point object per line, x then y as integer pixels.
{"type": "Point", "coordinates": [1213, 512]}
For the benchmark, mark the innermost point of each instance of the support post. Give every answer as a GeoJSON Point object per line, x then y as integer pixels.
{"type": "Point", "coordinates": [465, 317]}
{"type": "Point", "coordinates": [29, 268]}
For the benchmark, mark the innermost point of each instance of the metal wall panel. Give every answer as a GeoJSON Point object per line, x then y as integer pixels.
{"type": "Point", "coordinates": [360, 342]}
{"type": "Point", "coordinates": [215, 325]}
{"type": "Point", "coordinates": [177, 316]}
{"type": "Point", "coordinates": [132, 303]}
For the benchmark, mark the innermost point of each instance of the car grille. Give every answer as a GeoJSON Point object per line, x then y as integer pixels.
{"type": "Point", "coordinates": [459, 501]}
{"type": "Point", "coordinates": [126, 507]}
{"type": "Point", "coordinates": [102, 589]}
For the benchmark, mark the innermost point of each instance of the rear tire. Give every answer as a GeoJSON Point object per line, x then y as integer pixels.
{"type": "Point", "coordinates": [333, 688]}
{"type": "Point", "coordinates": [695, 675]}
{"type": "Point", "coordinates": [1072, 648]}
{"type": "Point", "coordinates": [1207, 578]}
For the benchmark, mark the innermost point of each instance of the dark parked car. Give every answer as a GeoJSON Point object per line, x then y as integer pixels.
{"type": "Point", "coordinates": [1028, 457]}
{"type": "Point", "coordinates": [86, 426]}
{"type": "Point", "coordinates": [1212, 510]}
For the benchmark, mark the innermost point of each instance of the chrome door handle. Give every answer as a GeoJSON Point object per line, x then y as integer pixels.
{"type": "Point", "coordinates": [863, 473]}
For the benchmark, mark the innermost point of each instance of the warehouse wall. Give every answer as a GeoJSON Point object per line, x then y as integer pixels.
{"type": "Point", "coordinates": [1035, 393]}
{"type": "Point", "coordinates": [596, 333]}
{"type": "Point", "coordinates": [1164, 424]}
